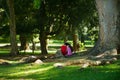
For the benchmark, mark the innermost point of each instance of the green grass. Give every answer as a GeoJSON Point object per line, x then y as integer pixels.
{"type": "Point", "coordinates": [53, 46]}
{"type": "Point", "coordinates": [4, 52]}
{"type": "Point", "coordinates": [48, 72]}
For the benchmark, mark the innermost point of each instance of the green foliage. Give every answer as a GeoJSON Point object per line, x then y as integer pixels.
{"type": "Point", "coordinates": [82, 46]}
{"type": "Point", "coordinates": [37, 4]}
{"type": "Point", "coordinates": [4, 39]}
{"type": "Point", "coordinates": [51, 17]}
{"type": "Point", "coordinates": [59, 16]}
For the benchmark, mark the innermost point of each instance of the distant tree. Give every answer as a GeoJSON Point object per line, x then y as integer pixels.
{"type": "Point", "coordinates": [25, 22]}
{"type": "Point", "coordinates": [50, 19]}
{"type": "Point", "coordinates": [54, 15]}
{"type": "Point", "coordinates": [79, 14]}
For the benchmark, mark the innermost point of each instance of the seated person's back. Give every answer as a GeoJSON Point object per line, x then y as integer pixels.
{"type": "Point", "coordinates": [64, 49]}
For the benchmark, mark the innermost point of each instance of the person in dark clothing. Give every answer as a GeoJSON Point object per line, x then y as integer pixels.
{"type": "Point", "coordinates": [69, 46]}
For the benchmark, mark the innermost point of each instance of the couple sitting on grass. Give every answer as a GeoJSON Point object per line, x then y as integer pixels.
{"type": "Point", "coordinates": [66, 49]}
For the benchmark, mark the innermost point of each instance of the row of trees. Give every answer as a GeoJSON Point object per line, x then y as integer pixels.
{"type": "Point", "coordinates": [46, 18]}
{"type": "Point", "coordinates": [52, 18]}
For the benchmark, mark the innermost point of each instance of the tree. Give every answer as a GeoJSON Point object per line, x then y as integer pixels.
{"type": "Point", "coordinates": [25, 21]}
{"type": "Point", "coordinates": [50, 21]}
{"type": "Point", "coordinates": [42, 21]}
{"type": "Point", "coordinates": [109, 34]}
{"type": "Point", "coordinates": [54, 15]}
{"type": "Point", "coordinates": [79, 13]}
{"type": "Point", "coordinates": [14, 48]}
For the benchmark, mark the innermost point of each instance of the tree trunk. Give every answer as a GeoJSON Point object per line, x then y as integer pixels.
{"type": "Point", "coordinates": [14, 48]}
{"type": "Point", "coordinates": [76, 45]}
{"type": "Point", "coordinates": [43, 43]}
{"type": "Point", "coordinates": [109, 30]}
{"type": "Point", "coordinates": [118, 25]}
{"type": "Point", "coordinates": [24, 43]}
{"type": "Point", "coordinates": [42, 22]}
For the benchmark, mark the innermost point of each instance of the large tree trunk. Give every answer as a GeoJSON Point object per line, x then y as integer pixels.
{"type": "Point", "coordinates": [118, 25]}
{"type": "Point", "coordinates": [14, 48]}
{"type": "Point", "coordinates": [109, 30]}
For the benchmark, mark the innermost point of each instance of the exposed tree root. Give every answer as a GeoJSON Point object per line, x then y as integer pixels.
{"type": "Point", "coordinates": [89, 60]}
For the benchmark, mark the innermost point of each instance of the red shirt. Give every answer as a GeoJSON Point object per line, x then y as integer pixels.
{"type": "Point", "coordinates": [64, 49]}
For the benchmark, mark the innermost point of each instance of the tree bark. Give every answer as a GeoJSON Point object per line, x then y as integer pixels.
{"type": "Point", "coordinates": [118, 25]}
{"type": "Point", "coordinates": [42, 22]}
{"type": "Point", "coordinates": [76, 45]}
{"type": "Point", "coordinates": [109, 29]}
{"type": "Point", "coordinates": [24, 43]}
{"type": "Point", "coordinates": [43, 43]}
{"type": "Point", "coordinates": [14, 48]}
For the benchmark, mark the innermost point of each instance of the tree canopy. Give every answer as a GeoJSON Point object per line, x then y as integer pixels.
{"type": "Point", "coordinates": [50, 18]}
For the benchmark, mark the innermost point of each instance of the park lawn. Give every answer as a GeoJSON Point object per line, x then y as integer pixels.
{"type": "Point", "coordinates": [47, 71]}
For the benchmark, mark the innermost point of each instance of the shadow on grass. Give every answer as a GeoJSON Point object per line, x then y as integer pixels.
{"type": "Point", "coordinates": [48, 72]}
{"type": "Point", "coordinates": [73, 73]}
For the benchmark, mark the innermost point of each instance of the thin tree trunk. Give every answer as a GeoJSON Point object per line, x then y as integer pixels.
{"type": "Point", "coordinates": [43, 43]}
{"type": "Point", "coordinates": [14, 48]}
{"type": "Point", "coordinates": [43, 35]}
{"type": "Point", "coordinates": [108, 35]}
{"type": "Point", "coordinates": [24, 43]}
{"type": "Point", "coordinates": [76, 45]}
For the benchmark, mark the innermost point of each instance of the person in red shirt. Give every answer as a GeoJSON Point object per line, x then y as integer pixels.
{"type": "Point", "coordinates": [66, 49]}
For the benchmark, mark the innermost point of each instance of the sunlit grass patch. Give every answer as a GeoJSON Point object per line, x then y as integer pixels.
{"type": "Point", "coordinates": [31, 71]}
{"type": "Point", "coordinates": [4, 50]}
{"type": "Point", "coordinates": [48, 72]}
{"type": "Point", "coordinates": [22, 70]}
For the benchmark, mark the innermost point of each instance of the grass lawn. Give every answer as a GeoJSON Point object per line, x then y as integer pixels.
{"type": "Point", "coordinates": [47, 71]}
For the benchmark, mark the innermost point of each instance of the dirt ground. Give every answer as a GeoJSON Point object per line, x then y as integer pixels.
{"type": "Point", "coordinates": [76, 59]}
